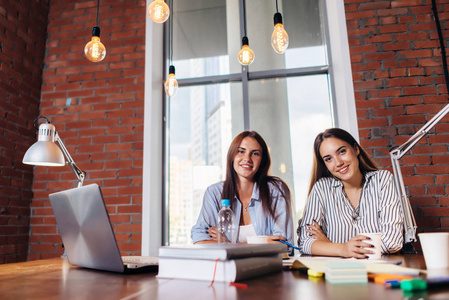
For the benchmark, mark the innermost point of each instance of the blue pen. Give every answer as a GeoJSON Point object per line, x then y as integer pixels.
{"type": "Point", "coordinates": [290, 245]}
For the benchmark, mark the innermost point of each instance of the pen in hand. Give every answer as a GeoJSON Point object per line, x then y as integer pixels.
{"type": "Point", "coordinates": [290, 245]}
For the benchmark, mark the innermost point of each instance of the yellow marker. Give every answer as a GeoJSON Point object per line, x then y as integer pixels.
{"type": "Point", "coordinates": [315, 279]}
{"type": "Point", "coordinates": [312, 273]}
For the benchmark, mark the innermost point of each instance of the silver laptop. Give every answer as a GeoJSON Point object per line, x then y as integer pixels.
{"type": "Point", "coordinates": [87, 233]}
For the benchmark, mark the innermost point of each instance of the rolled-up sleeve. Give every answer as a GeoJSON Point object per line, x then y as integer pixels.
{"type": "Point", "coordinates": [380, 211]}
{"type": "Point", "coordinates": [208, 213]}
{"type": "Point", "coordinates": [390, 216]}
{"type": "Point", "coordinates": [313, 211]}
{"type": "Point", "coordinates": [283, 225]}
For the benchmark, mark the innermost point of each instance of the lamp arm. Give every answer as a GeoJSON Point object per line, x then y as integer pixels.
{"type": "Point", "coordinates": [404, 148]}
{"type": "Point", "coordinates": [409, 219]}
{"type": "Point", "coordinates": [70, 162]}
{"type": "Point", "coordinates": [396, 154]}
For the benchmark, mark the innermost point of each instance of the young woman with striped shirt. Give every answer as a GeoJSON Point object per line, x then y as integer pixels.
{"type": "Point", "coordinates": [348, 195]}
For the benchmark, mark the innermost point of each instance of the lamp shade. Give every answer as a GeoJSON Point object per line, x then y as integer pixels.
{"type": "Point", "coordinates": [45, 152]}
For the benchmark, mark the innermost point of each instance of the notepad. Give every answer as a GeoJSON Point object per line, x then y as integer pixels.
{"type": "Point", "coordinates": [318, 264]}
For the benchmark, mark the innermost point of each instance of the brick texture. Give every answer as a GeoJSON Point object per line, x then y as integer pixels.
{"type": "Point", "coordinates": [399, 86]}
{"type": "Point", "coordinates": [98, 109]}
{"type": "Point", "coordinates": [98, 112]}
{"type": "Point", "coordinates": [23, 26]}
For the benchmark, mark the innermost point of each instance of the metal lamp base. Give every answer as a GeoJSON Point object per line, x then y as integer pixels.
{"type": "Point", "coordinates": [408, 248]}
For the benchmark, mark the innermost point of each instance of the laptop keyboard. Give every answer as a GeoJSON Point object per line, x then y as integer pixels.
{"type": "Point", "coordinates": [140, 260]}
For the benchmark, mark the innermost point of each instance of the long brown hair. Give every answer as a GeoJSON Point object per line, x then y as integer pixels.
{"type": "Point", "coordinates": [230, 185]}
{"type": "Point", "coordinates": [319, 169]}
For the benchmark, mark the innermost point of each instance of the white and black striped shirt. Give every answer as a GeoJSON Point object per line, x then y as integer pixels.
{"type": "Point", "coordinates": [378, 211]}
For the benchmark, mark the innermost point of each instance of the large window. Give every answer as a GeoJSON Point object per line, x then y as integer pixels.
{"type": "Point", "coordinates": [287, 98]}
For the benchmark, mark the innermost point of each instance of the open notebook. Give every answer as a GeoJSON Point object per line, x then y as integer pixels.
{"type": "Point", "coordinates": [87, 234]}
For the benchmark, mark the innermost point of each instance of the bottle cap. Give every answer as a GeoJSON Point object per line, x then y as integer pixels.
{"type": "Point", "coordinates": [225, 202]}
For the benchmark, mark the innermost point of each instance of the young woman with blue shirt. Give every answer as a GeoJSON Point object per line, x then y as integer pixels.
{"type": "Point", "coordinates": [348, 195]}
{"type": "Point", "coordinates": [261, 203]}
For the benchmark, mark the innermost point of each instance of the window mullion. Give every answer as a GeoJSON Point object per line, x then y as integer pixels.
{"type": "Point", "coordinates": [331, 81]}
{"type": "Point", "coordinates": [281, 73]}
{"type": "Point", "coordinates": [245, 96]}
{"type": "Point", "coordinates": [237, 77]}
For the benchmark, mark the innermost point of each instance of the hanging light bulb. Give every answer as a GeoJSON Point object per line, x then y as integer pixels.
{"type": "Point", "coordinates": [95, 50]}
{"type": "Point", "coordinates": [171, 84]}
{"type": "Point", "coordinates": [246, 55]}
{"type": "Point", "coordinates": [158, 11]}
{"type": "Point", "coordinates": [279, 38]}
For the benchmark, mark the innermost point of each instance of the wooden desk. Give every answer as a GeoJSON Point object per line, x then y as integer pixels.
{"type": "Point", "coordinates": [57, 279]}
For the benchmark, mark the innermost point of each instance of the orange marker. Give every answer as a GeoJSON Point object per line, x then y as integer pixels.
{"type": "Point", "coordinates": [381, 278]}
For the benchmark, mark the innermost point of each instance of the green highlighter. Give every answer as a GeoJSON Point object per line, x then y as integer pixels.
{"type": "Point", "coordinates": [413, 285]}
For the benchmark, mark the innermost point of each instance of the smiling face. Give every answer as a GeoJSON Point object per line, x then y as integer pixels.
{"type": "Point", "coordinates": [248, 159]}
{"type": "Point", "coordinates": [340, 159]}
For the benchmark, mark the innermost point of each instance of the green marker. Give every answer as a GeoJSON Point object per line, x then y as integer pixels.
{"type": "Point", "coordinates": [413, 285]}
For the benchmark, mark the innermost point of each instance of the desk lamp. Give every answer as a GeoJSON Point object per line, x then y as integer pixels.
{"type": "Point", "coordinates": [396, 154]}
{"type": "Point", "coordinates": [45, 152]}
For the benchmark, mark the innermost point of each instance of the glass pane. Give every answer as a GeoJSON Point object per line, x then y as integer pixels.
{"type": "Point", "coordinates": [203, 119]}
{"type": "Point", "coordinates": [206, 31]}
{"type": "Point", "coordinates": [303, 23]}
{"type": "Point", "coordinates": [289, 113]}
{"type": "Point", "coordinates": [200, 38]}
{"type": "Point", "coordinates": [199, 135]}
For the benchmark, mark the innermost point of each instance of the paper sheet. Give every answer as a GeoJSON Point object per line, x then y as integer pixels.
{"type": "Point", "coordinates": [318, 264]}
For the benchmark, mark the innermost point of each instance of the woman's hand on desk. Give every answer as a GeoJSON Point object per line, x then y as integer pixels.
{"type": "Point", "coordinates": [356, 248]}
{"type": "Point", "coordinates": [212, 231]}
{"type": "Point", "coordinates": [271, 239]}
{"type": "Point", "coordinates": [274, 239]}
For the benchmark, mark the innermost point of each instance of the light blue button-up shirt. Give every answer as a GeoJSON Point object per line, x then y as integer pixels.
{"type": "Point", "coordinates": [263, 223]}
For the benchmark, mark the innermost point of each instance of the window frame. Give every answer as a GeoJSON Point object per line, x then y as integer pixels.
{"type": "Point", "coordinates": [155, 125]}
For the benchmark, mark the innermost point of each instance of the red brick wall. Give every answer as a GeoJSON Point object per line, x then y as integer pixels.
{"type": "Point", "coordinates": [23, 26]}
{"type": "Point", "coordinates": [399, 86]}
{"type": "Point", "coordinates": [97, 109]}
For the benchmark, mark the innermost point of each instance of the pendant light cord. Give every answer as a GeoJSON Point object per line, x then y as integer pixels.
{"type": "Point", "coordinates": [170, 34]}
{"type": "Point", "coordinates": [277, 10]}
{"type": "Point", "coordinates": [443, 49]}
{"type": "Point", "coordinates": [244, 16]}
{"type": "Point", "coordinates": [98, 9]}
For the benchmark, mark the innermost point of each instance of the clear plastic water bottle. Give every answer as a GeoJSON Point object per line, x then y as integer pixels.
{"type": "Point", "coordinates": [225, 223]}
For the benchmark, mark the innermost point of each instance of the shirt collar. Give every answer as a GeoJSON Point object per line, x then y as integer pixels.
{"type": "Point", "coordinates": [337, 182]}
{"type": "Point", "coordinates": [255, 194]}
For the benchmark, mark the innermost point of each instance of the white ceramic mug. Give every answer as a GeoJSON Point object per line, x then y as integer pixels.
{"type": "Point", "coordinates": [375, 238]}
{"type": "Point", "coordinates": [435, 247]}
{"type": "Point", "coordinates": [257, 239]}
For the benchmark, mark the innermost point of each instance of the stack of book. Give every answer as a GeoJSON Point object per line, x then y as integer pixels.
{"type": "Point", "coordinates": [220, 262]}
{"type": "Point", "coordinates": [338, 272]}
